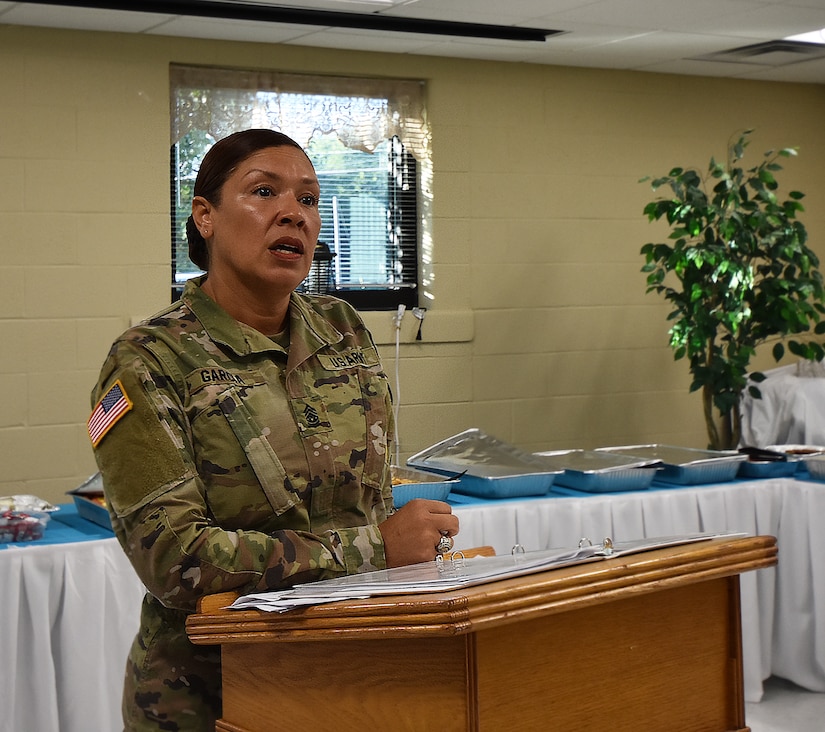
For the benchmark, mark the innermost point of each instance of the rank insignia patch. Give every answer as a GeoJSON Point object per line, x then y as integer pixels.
{"type": "Point", "coordinates": [112, 406]}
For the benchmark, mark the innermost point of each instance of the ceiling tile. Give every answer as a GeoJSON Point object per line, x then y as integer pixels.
{"type": "Point", "coordinates": [54, 16]}
{"type": "Point", "coordinates": [648, 35]}
{"type": "Point", "coordinates": [232, 30]}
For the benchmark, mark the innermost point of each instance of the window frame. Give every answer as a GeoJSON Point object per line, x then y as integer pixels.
{"type": "Point", "coordinates": [408, 191]}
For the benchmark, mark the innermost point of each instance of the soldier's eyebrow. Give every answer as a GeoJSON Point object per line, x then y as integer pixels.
{"type": "Point", "coordinates": [307, 180]}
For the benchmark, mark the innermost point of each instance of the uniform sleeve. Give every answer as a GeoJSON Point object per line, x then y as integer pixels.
{"type": "Point", "coordinates": [159, 512]}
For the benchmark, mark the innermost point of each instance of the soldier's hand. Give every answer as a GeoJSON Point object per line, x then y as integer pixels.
{"type": "Point", "coordinates": [412, 533]}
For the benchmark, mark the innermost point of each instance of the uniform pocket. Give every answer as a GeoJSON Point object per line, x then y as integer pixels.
{"type": "Point", "coordinates": [262, 458]}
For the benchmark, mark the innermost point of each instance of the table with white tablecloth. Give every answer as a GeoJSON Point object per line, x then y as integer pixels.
{"type": "Point", "coordinates": [69, 609]}
{"type": "Point", "coordinates": [791, 409]}
{"type": "Point", "coordinates": [783, 608]}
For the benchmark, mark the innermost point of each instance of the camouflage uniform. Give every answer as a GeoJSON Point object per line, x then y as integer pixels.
{"type": "Point", "coordinates": [241, 465]}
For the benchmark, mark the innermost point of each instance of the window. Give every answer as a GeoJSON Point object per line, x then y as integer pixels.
{"type": "Point", "coordinates": [369, 143]}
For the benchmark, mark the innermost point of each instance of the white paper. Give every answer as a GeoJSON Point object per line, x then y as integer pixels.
{"type": "Point", "coordinates": [441, 576]}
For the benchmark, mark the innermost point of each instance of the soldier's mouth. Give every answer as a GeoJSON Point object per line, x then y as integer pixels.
{"type": "Point", "coordinates": [287, 246]}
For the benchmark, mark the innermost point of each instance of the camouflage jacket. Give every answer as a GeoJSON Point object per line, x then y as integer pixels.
{"type": "Point", "coordinates": [236, 464]}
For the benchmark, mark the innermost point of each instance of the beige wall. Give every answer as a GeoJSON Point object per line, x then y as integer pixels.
{"type": "Point", "coordinates": [539, 330]}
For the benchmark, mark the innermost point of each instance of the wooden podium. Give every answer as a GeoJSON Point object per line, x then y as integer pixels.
{"type": "Point", "coordinates": [648, 641]}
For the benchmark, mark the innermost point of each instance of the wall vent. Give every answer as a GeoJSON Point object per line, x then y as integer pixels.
{"type": "Point", "coordinates": [769, 53]}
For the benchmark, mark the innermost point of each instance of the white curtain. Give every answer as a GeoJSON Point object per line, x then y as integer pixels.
{"type": "Point", "coordinates": [361, 112]}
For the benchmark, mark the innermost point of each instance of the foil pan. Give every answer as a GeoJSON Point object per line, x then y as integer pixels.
{"type": "Point", "coordinates": [815, 465]}
{"type": "Point", "coordinates": [601, 472]}
{"type": "Point", "coordinates": [765, 463]}
{"type": "Point", "coordinates": [90, 502]}
{"type": "Point", "coordinates": [408, 483]}
{"type": "Point", "coordinates": [768, 468]}
{"type": "Point", "coordinates": [686, 465]}
{"type": "Point", "coordinates": [488, 468]}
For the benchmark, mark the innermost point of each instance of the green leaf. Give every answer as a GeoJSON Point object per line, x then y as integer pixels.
{"type": "Point", "coordinates": [766, 177]}
{"type": "Point", "coordinates": [796, 348]}
{"type": "Point", "coordinates": [778, 352]}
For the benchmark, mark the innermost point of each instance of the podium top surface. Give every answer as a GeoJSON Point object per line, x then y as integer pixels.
{"type": "Point", "coordinates": [478, 607]}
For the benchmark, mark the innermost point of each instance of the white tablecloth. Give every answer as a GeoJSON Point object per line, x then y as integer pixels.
{"type": "Point", "coordinates": [68, 614]}
{"type": "Point", "coordinates": [783, 608]}
{"type": "Point", "coordinates": [791, 410]}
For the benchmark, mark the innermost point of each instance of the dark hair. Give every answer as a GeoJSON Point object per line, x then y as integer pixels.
{"type": "Point", "coordinates": [217, 165]}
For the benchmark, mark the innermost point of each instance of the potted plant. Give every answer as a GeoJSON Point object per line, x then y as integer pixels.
{"type": "Point", "coordinates": [738, 273]}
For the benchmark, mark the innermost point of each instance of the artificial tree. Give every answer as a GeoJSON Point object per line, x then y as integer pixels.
{"type": "Point", "coordinates": [738, 273]}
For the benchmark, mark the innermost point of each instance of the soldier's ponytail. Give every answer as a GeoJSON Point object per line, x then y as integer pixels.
{"type": "Point", "coordinates": [198, 251]}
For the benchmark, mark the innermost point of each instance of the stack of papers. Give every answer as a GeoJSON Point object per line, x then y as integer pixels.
{"type": "Point", "coordinates": [454, 574]}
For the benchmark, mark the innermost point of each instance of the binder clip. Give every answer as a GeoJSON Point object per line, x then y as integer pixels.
{"type": "Point", "coordinates": [451, 562]}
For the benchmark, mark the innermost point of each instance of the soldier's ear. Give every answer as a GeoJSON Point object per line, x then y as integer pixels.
{"type": "Point", "coordinates": [202, 214]}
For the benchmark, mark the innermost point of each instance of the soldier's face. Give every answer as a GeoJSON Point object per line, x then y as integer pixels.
{"type": "Point", "coordinates": [264, 231]}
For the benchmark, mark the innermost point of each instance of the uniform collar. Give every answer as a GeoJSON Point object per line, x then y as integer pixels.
{"type": "Point", "coordinates": [309, 330]}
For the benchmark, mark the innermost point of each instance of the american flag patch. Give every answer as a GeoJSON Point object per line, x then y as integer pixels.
{"type": "Point", "coordinates": [114, 404]}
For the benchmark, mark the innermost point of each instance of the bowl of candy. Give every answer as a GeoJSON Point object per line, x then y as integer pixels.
{"type": "Point", "coordinates": [23, 518]}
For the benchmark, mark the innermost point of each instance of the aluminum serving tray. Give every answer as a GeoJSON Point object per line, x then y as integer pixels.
{"type": "Point", "coordinates": [768, 468]}
{"type": "Point", "coordinates": [601, 472]}
{"type": "Point", "coordinates": [489, 468]}
{"type": "Point", "coordinates": [815, 465]}
{"type": "Point", "coordinates": [763, 462]}
{"type": "Point", "coordinates": [795, 456]}
{"type": "Point", "coordinates": [686, 465]}
{"type": "Point", "coordinates": [418, 484]}
{"type": "Point", "coordinates": [87, 507]}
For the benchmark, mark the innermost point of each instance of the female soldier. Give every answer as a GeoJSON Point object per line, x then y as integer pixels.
{"type": "Point", "coordinates": [244, 433]}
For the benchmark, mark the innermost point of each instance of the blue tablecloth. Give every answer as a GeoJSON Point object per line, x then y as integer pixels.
{"type": "Point", "coordinates": [66, 527]}
{"type": "Point", "coordinates": [556, 491]}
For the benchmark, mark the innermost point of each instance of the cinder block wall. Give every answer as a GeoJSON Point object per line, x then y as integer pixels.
{"type": "Point", "coordinates": [538, 328]}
